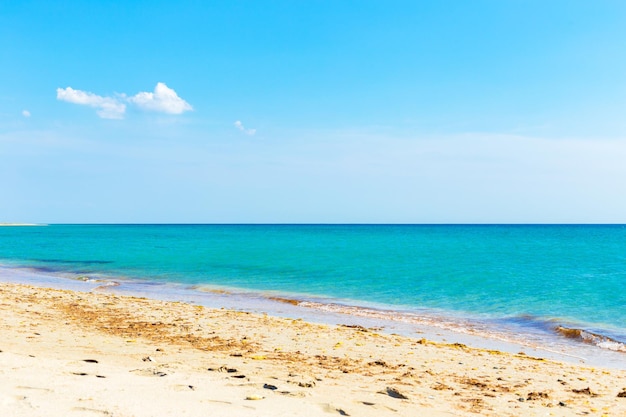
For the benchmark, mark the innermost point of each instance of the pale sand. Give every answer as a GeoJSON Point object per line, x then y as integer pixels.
{"type": "Point", "coordinates": [91, 354]}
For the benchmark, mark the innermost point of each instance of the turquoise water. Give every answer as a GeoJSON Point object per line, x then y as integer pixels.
{"type": "Point", "coordinates": [533, 276]}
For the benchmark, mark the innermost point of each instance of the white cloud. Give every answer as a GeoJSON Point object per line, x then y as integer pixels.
{"type": "Point", "coordinates": [25, 113]}
{"type": "Point", "coordinates": [108, 107]}
{"type": "Point", "coordinates": [240, 126]}
{"type": "Point", "coordinates": [164, 99]}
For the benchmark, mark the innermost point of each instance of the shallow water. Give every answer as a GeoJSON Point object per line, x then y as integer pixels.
{"type": "Point", "coordinates": [512, 283]}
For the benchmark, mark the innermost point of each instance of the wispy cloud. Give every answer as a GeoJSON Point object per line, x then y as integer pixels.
{"type": "Point", "coordinates": [241, 127]}
{"type": "Point", "coordinates": [25, 113]}
{"type": "Point", "coordinates": [163, 99]}
{"type": "Point", "coordinates": [108, 107]}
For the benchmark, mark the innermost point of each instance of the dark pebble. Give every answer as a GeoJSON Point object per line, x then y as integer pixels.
{"type": "Point", "coordinates": [394, 393]}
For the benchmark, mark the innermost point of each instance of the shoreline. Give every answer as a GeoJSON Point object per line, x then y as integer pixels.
{"type": "Point", "coordinates": [20, 224]}
{"type": "Point", "coordinates": [436, 327]}
{"type": "Point", "coordinates": [104, 352]}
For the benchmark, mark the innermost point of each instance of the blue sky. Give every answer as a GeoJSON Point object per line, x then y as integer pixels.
{"type": "Point", "coordinates": [493, 111]}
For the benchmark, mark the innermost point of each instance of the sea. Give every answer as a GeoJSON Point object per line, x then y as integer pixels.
{"type": "Point", "coordinates": [554, 291]}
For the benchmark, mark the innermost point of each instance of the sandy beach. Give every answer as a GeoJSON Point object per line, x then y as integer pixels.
{"type": "Point", "coordinates": [66, 353]}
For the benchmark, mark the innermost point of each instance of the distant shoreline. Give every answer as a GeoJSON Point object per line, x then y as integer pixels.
{"type": "Point", "coordinates": [21, 224]}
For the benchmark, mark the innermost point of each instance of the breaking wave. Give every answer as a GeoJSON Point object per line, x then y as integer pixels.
{"type": "Point", "coordinates": [591, 338]}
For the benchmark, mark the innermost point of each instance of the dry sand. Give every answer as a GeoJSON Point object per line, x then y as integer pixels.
{"type": "Point", "coordinates": [67, 353]}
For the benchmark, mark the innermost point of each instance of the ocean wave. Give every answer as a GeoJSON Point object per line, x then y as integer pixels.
{"type": "Point", "coordinates": [472, 327]}
{"type": "Point", "coordinates": [69, 261]}
{"type": "Point", "coordinates": [430, 319]}
{"type": "Point", "coordinates": [591, 338]}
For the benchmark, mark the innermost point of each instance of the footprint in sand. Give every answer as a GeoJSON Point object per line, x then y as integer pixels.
{"type": "Point", "coordinates": [93, 410]}
{"type": "Point", "coordinates": [34, 388]}
{"type": "Point", "coordinates": [329, 408]}
{"type": "Point", "coordinates": [183, 387]}
{"type": "Point", "coordinates": [148, 372]}
{"type": "Point", "coordinates": [7, 400]}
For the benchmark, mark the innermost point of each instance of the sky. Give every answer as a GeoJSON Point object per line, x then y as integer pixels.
{"type": "Point", "coordinates": [432, 111]}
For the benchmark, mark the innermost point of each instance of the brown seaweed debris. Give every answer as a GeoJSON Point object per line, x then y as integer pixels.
{"type": "Point", "coordinates": [473, 382]}
{"type": "Point", "coordinates": [532, 396]}
{"type": "Point", "coordinates": [355, 326]}
{"type": "Point", "coordinates": [586, 391]}
{"type": "Point", "coordinates": [286, 300]}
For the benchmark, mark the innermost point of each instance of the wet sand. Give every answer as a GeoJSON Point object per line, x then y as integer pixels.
{"type": "Point", "coordinates": [67, 353]}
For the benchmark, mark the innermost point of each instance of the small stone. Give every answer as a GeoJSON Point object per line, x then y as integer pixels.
{"type": "Point", "coordinates": [223, 369]}
{"type": "Point", "coordinates": [622, 394]}
{"type": "Point", "coordinates": [394, 393]}
{"type": "Point", "coordinates": [270, 387]}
